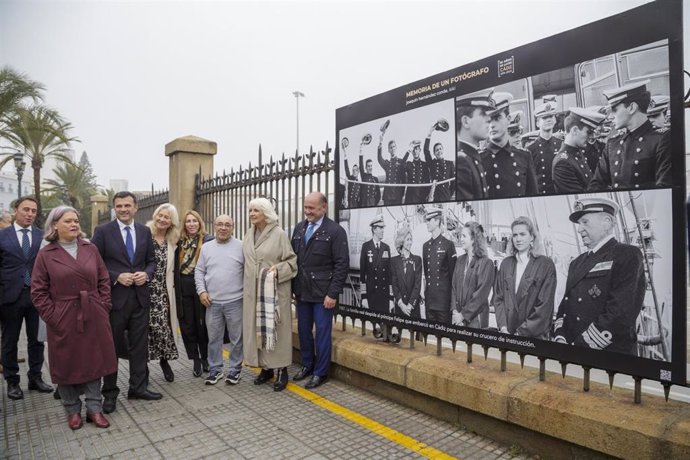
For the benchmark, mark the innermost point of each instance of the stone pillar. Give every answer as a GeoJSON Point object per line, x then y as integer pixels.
{"type": "Point", "coordinates": [188, 155]}
{"type": "Point", "coordinates": [98, 203]}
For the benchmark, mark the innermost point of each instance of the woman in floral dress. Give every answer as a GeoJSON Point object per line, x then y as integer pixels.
{"type": "Point", "coordinates": [165, 229]}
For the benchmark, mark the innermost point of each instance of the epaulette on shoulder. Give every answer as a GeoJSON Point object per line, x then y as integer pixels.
{"type": "Point", "coordinates": [562, 156]}
{"type": "Point", "coordinates": [462, 154]}
{"type": "Point", "coordinates": [661, 130]}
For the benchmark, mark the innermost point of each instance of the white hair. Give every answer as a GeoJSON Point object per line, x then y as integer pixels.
{"type": "Point", "coordinates": [266, 207]}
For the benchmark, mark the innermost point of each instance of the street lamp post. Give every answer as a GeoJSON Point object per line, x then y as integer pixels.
{"type": "Point", "coordinates": [19, 164]}
{"type": "Point", "coordinates": [297, 95]}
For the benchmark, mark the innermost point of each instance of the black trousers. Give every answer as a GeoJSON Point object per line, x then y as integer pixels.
{"type": "Point", "coordinates": [192, 320]}
{"type": "Point", "coordinates": [11, 317]}
{"type": "Point", "coordinates": [441, 316]}
{"type": "Point", "coordinates": [130, 327]}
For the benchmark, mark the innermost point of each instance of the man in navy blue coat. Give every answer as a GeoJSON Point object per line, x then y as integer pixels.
{"type": "Point", "coordinates": [323, 260]}
{"type": "Point", "coordinates": [127, 250]}
{"type": "Point", "coordinates": [19, 244]}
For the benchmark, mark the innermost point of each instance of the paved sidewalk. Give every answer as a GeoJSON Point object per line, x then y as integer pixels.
{"type": "Point", "coordinates": [194, 420]}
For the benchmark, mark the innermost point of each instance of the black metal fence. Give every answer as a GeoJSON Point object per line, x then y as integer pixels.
{"type": "Point", "coordinates": [285, 181]}
{"type": "Point", "coordinates": [146, 204]}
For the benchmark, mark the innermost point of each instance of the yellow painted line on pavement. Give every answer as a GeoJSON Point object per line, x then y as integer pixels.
{"type": "Point", "coordinates": [371, 425]}
{"type": "Point", "coordinates": [365, 422]}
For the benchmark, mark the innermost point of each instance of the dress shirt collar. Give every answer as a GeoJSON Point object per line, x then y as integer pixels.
{"type": "Point", "coordinates": [600, 244]}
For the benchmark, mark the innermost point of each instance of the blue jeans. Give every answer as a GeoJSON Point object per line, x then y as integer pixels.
{"type": "Point", "coordinates": [218, 316]}
{"type": "Point", "coordinates": [308, 315]}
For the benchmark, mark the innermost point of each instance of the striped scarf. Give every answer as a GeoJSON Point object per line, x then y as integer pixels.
{"type": "Point", "coordinates": [267, 314]}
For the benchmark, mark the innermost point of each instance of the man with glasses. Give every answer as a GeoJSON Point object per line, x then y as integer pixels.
{"type": "Point", "coordinates": [219, 282]}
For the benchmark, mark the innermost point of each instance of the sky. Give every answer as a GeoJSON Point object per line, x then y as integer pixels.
{"type": "Point", "coordinates": [133, 76]}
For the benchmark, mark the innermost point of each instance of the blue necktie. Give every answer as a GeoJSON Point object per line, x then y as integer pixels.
{"type": "Point", "coordinates": [309, 232]}
{"type": "Point", "coordinates": [26, 248]}
{"type": "Point", "coordinates": [129, 244]}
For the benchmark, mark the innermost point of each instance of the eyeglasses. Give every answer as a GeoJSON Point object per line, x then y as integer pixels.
{"type": "Point", "coordinates": [224, 225]}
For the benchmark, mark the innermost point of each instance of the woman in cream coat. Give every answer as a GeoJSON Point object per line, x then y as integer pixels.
{"type": "Point", "coordinates": [266, 245]}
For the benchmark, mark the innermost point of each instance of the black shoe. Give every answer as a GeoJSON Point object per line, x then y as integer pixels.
{"type": "Point", "coordinates": [14, 392]}
{"type": "Point", "coordinates": [197, 368]}
{"type": "Point", "coordinates": [39, 385]}
{"type": "Point", "coordinates": [145, 395]}
{"type": "Point", "coordinates": [109, 405]}
{"type": "Point", "coordinates": [56, 394]}
{"type": "Point", "coordinates": [167, 371]}
{"type": "Point", "coordinates": [204, 365]}
{"type": "Point", "coordinates": [302, 374]}
{"type": "Point", "coordinates": [315, 381]}
{"type": "Point", "coordinates": [281, 380]}
{"type": "Point", "coordinates": [264, 376]}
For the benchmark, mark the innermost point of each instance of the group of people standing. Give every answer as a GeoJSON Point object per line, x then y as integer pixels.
{"type": "Point", "coordinates": [635, 154]}
{"type": "Point", "coordinates": [604, 292]}
{"type": "Point", "coordinates": [125, 293]}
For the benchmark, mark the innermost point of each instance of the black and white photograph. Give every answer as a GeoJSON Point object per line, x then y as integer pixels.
{"type": "Point", "coordinates": [555, 235]}
{"type": "Point", "coordinates": [588, 270]}
{"type": "Point", "coordinates": [601, 124]}
{"type": "Point", "coordinates": [404, 158]}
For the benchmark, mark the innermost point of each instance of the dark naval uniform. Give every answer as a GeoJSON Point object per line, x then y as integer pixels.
{"type": "Point", "coordinates": [395, 174]}
{"type": "Point", "coordinates": [542, 152]}
{"type": "Point", "coordinates": [375, 274]}
{"type": "Point", "coordinates": [509, 171]}
{"type": "Point", "coordinates": [354, 189]}
{"type": "Point", "coordinates": [371, 194]}
{"type": "Point", "coordinates": [639, 159]}
{"type": "Point", "coordinates": [439, 170]}
{"type": "Point", "coordinates": [439, 259]}
{"type": "Point", "coordinates": [604, 295]}
{"type": "Point", "coordinates": [571, 173]}
{"type": "Point", "coordinates": [470, 177]}
{"type": "Point", "coordinates": [593, 153]}
{"type": "Point", "coordinates": [417, 172]}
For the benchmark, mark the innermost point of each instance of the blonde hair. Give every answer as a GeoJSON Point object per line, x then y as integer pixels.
{"type": "Point", "coordinates": [172, 235]}
{"type": "Point", "coordinates": [183, 227]}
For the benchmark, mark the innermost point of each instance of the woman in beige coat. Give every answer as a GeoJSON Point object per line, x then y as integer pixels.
{"type": "Point", "coordinates": [267, 246]}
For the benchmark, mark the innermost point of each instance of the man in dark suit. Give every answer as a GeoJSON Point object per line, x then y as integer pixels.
{"type": "Point", "coordinates": [323, 260]}
{"type": "Point", "coordinates": [127, 250]}
{"type": "Point", "coordinates": [375, 270]}
{"type": "Point", "coordinates": [605, 290]}
{"type": "Point", "coordinates": [19, 244]}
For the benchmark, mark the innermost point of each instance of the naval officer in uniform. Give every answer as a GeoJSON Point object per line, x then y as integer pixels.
{"type": "Point", "coordinates": [571, 173]}
{"type": "Point", "coordinates": [375, 270]}
{"type": "Point", "coordinates": [370, 194]}
{"type": "Point", "coordinates": [394, 168]}
{"type": "Point", "coordinates": [439, 259]}
{"type": "Point", "coordinates": [639, 156]}
{"type": "Point", "coordinates": [473, 128]}
{"type": "Point", "coordinates": [416, 172]}
{"type": "Point", "coordinates": [657, 112]}
{"type": "Point", "coordinates": [545, 146]}
{"type": "Point", "coordinates": [605, 289]}
{"type": "Point", "coordinates": [440, 169]}
{"type": "Point", "coordinates": [509, 171]}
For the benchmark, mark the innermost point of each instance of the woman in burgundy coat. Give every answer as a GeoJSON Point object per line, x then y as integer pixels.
{"type": "Point", "coordinates": [70, 287]}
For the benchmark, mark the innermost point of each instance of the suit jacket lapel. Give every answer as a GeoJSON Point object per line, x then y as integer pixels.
{"type": "Point", "coordinates": [264, 235]}
{"type": "Point", "coordinates": [587, 264]}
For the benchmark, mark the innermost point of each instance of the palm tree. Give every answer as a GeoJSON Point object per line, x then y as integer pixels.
{"type": "Point", "coordinates": [39, 133]}
{"type": "Point", "coordinates": [14, 89]}
{"type": "Point", "coordinates": [72, 184]}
